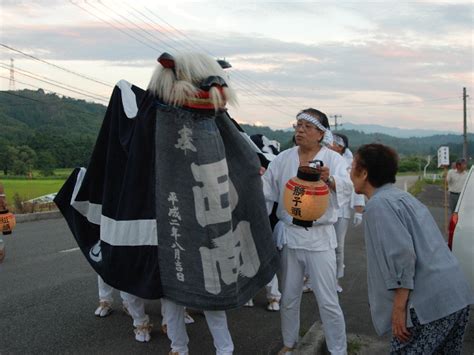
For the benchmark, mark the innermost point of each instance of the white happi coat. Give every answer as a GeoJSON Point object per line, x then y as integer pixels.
{"type": "Point", "coordinates": [356, 199]}
{"type": "Point", "coordinates": [321, 236]}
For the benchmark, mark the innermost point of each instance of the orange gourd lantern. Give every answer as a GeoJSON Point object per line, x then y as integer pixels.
{"type": "Point", "coordinates": [306, 197]}
{"type": "Point", "coordinates": [7, 222]}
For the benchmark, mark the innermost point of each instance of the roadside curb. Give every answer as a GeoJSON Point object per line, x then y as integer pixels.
{"type": "Point", "coordinates": [37, 216]}
{"type": "Point", "coordinates": [314, 343]}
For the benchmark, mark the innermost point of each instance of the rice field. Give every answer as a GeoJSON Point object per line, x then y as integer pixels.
{"type": "Point", "coordinates": [38, 186]}
{"type": "Point", "coordinates": [28, 189]}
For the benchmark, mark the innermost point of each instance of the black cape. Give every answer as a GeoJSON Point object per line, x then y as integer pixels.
{"type": "Point", "coordinates": [171, 205]}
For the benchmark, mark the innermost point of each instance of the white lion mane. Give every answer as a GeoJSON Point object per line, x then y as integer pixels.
{"type": "Point", "coordinates": [191, 69]}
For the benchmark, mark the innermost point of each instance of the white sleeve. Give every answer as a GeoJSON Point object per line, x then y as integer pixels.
{"type": "Point", "coordinates": [271, 189]}
{"type": "Point", "coordinates": [344, 186]}
{"type": "Point", "coordinates": [357, 200]}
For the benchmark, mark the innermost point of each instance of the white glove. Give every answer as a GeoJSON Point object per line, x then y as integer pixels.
{"type": "Point", "coordinates": [357, 219]}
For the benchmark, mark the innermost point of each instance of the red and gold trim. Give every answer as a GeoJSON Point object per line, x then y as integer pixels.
{"type": "Point", "coordinates": [308, 190]}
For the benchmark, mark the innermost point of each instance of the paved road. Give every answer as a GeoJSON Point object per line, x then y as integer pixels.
{"type": "Point", "coordinates": [404, 182]}
{"type": "Point", "coordinates": [48, 295]}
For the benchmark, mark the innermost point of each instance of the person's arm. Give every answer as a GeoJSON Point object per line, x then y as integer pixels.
{"type": "Point", "coordinates": [340, 182]}
{"type": "Point", "coordinates": [448, 178]}
{"type": "Point", "coordinates": [358, 202]}
{"type": "Point", "coordinates": [393, 243]}
{"type": "Point", "coordinates": [395, 256]}
{"type": "Point", "coordinates": [357, 221]}
{"type": "Point", "coordinates": [399, 314]}
{"type": "Point", "coordinates": [271, 189]}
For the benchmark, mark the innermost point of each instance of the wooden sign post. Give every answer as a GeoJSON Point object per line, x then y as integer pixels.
{"type": "Point", "coordinates": [443, 161]}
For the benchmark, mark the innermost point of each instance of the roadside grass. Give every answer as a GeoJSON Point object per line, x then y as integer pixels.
{"type": "Point", "coordinates": [419, 173]}
{"type": "Point", "coordinates": [23, 188]}
{"type": "Point", "coordinates": [19, 189]}
{"type": "Point", "coordinates": [29, 189]}
{"type": "Point", "coordinates": [354, 346]}
{"type": "Point", "coordinates": [59, 174]}
{"type": "Point", "coordinates": [418, 186]}
{"type": "Point", "coordinates": [408, 173]}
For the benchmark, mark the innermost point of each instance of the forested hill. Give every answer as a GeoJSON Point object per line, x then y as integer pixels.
{"type": "Point", "coordinates": [39, 130]}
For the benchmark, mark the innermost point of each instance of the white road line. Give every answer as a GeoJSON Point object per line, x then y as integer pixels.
{"type": "Point", "coordinates": [69, 250]}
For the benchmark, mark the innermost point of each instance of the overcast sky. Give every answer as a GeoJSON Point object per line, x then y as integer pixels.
{"type": "Point", "coordinates": [394, 63]}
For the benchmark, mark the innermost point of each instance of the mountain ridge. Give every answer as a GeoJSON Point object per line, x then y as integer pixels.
{"type": "Point", "coordinates": [65, 129]}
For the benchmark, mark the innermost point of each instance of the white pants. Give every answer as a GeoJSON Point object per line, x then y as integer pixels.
{"type": "Point", "coordinates": [134, 304]}
{"type": "Point", "coordinates": [173, 315]}
{"type": "Point", "coordinates": [341, 230]}
{"type": "Point", "coordinates": [321, 267]}
{"type": "Point", "coordinates": [273, 293]}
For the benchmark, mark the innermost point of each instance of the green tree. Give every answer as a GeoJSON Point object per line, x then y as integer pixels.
{"type": "Point", "coordinates": [8, 156]}
{"type": "Point", "coordinates": [5, 159]}
{"type": "Point", "coordinates": [23, 160]}
{"type": "Point", "coordinates": [46, 163]}
{"type": "Point", "coordinates": [411, 163]}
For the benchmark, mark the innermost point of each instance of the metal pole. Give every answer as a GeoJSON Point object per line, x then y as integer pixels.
{"type": "Point", "coordinates": [446, 228]}
{"type": "Point", "coordinates": [464, 147]}
{"type": "Point", "coordinates": [335, 121]}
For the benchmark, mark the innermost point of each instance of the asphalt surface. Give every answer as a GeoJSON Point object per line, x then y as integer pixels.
{"type": "Point", "coordinates": [49, 294]}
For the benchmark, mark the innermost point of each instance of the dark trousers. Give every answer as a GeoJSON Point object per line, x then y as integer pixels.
{"type": "Point", "coordinates": [453, 200]}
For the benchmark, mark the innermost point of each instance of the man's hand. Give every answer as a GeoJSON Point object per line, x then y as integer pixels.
{"type": "Point", "coordinates": [324, 170]}
{"type": "Point", "coordinates": [262, 170]}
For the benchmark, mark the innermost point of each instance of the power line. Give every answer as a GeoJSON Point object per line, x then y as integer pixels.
{"type": "Point", "coordinates": [40, 88]}
{"type": "Point", "coordinates": [235, 71]}
{"type": "Point", "coordinates": [134, 24]}
{"type": "Point", "coordinates": [22, 71]}
{"type": "Point", "coordinates": [116, 27]}
{"type": "Point", "coordinates": [12, 75]}
{"type": "Point", "coordinates": [265, 102]}
{"type": "Point", "coordinates": [147, 32]}
{"type": "Point", "coordinates": [163, 31]}
{"type": "Point", "coordinates": [395, 103]}
{"type": "Point", "coordinates": [62, 87]}
{"type": "Point", "coordinates": [44, 102]}
{"type": "Point", "coordinates": [24, 97]}
{"type": "Point", "coordinates": [56, 66]}
{"type": "Point", "coordinates": [422, 102]}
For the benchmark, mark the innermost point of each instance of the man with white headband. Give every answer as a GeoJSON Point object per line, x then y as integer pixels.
{"type": "Point", "coordinates": [310, 249]}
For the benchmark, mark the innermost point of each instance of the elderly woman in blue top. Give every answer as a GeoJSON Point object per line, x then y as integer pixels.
{"type": "Point", "coordinates": [416, 287]}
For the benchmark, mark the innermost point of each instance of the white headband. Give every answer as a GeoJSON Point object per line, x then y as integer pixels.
{"type": "Point", "coordinates": [339, 141]}
{"type": "Point", "coordinates": [328, 137]}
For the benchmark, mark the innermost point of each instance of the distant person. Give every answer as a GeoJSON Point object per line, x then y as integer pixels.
{"type": "Point", "coordinates": [455, 179]}
{"type": "Point", "coordinates": [416, 288]}
{"type": "Point", "coordinates": [269, 150]}
{"type": "Point", "coordinates": [357, 203]}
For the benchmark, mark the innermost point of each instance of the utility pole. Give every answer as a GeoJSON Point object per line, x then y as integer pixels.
{"type": "Point", "coordinates": [464, 147]}
{"type": "Point", "coordinates": [12, 76]}
{"type": "Point", "coordinates": [335, 121]}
